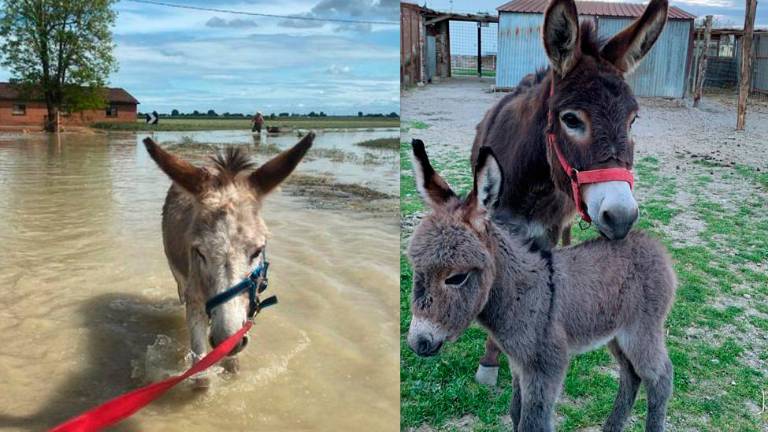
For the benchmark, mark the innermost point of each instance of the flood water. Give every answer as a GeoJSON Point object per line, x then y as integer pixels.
{"type": "Point", "coordinates": [89, 309]}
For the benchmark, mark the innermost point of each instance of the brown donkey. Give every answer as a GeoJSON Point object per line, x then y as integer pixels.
{"type": "Point", "coordinates": [214, 235]}
{"type": "Point", "coordinates": [540, 307]}
{"type": "Point", "coordinates": [584, 106]}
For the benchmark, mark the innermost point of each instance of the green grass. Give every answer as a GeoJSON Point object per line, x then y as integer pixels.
{"type": "Point", "coordinates": [716, 387]}
{"type": "Point", "coordinates": [392, 143]}
{"type": "Point", "coordinates": [194, 124]}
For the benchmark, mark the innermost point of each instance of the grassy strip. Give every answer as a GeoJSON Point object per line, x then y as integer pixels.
{"type": "Point", "coordinates": [713, 340]}
{"type": "Point", "coordinates": [392, 143]}
{"type": "Point", "coordinates": [195, 124]}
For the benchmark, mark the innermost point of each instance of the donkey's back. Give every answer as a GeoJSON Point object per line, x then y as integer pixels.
{"type": "Point", "coordinates": [610, 287]}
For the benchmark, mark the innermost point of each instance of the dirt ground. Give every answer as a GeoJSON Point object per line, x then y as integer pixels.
{"type": "Point", "coordinates": [681, 137]}
{"type": "Point", "coordinates": [451, 109]}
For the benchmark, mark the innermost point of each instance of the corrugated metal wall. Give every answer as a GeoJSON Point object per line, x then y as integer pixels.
{"type": "Point", "coordinates": [760, 68]}
{"type": "Point", "coordinates": [520, 49]}
{"type": "Point", "coordinates": [662, 72]}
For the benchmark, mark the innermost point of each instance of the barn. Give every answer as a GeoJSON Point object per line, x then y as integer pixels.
{"type": "Point", "coordinates": [30, 111]}
{"type": "Point", "coordinates": [663, 72]}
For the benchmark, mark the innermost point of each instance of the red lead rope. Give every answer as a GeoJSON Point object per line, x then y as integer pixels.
{"type": "Point", "coordinates": [579, 178]}
{"type": "Point", "coordinates": [123, 406]}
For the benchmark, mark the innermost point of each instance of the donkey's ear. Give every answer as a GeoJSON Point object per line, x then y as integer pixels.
{"type": "Point", "coordinates": [193, 179]}
{"type": "Point", "coordinates": [433, 189]}
{"type": "Point", "coordinates": [627, 48]}
{"type": "Point", "coordinates": [561, 35]}
{"type": "Point", "coordinates": [488, 182]}
{"type": "Point", "coordinates": [277, 169]}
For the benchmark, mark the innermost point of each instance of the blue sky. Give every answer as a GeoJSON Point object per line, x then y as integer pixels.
{"type": "Point", "coordinates": [728, 13]}
{"type": "Point", "coordinates": [195, 60]}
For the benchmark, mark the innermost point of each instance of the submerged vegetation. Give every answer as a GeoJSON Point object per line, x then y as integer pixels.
{"type": "Point", "coordinates": [288, 123]}
{"type": "Point", "coordinates": [716, 329]}
{"type": "Point", "coordinates": [392, 143]}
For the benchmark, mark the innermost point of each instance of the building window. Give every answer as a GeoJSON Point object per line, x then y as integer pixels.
{"type": "Point", "coordinates": [19, 110]}
{"type": "Point", "coordinates": [112, 110]}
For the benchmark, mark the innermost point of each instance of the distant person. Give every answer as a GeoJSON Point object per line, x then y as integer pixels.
{"type": "Point", "coordinates": [257, 122]}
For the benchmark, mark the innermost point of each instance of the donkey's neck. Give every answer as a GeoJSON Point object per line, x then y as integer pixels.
{"type": "Point", "coordinates": [522, 290]}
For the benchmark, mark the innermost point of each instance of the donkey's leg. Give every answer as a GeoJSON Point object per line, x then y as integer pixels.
{"type": "Point", "coordinates": [488, 369]}
{"type": "Point", "coordinates": [540, 389]}
{"type": "Point", "coordinates": [514, 409]}
{"type": "Point", "coordinates": [197, 322]}
{"type": "Point", "coordinates": [646, 351]}
{"type": "Point", "coordinates": [629, 383]}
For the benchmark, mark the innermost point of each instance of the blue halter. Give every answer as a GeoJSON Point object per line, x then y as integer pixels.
{"type": "Point", "coordinates": [256, 283]}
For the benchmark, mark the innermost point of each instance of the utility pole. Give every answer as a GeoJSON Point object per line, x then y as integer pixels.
{"type": "Point", "coordinates": [479, 50]}
{"type": "Point", "coordinates": [746, 63]}
{"type": "Point", "coordinates": [698, 87]}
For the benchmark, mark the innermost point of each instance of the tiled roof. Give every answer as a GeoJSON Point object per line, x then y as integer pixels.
{"type": "Point", "coordinates": [627, 10]}
{"type": "Point", "coordinates": [114, 95]}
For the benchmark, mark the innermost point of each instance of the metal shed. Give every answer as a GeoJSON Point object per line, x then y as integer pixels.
{"type": "Point", "coordinates": [663, 72]}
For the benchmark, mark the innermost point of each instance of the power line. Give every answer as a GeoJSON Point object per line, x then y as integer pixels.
{"type": "Point", "coordinates": [292, 17]}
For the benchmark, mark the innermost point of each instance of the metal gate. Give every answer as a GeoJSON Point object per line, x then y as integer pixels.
{"type": "Point", "coordinates": [431, 57]}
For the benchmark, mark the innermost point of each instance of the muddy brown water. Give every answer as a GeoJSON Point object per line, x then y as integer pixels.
{"type": "Point", "coordinates": [89, 310]}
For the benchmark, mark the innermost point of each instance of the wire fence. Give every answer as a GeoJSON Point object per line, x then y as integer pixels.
{"type": "Point", "coordinates": [722, 74]}
{"type": "Point", "coordinates": [464, 48]}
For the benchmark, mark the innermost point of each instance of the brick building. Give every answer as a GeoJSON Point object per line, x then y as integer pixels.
{"type": "Point", "coordinates": [18, 111]}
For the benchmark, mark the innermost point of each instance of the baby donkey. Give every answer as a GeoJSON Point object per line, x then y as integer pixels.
{"type": "Point", "coordinates": [540, 307]}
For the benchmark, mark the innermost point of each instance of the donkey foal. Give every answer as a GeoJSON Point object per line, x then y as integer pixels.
{"type": "Point", "coordinates": [540, 307]}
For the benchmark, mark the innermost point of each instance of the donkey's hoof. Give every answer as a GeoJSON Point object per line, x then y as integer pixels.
{"type": "Point", "coordinates": [231, 364]}
{"type": "Point", "coordinates": [487, 375]}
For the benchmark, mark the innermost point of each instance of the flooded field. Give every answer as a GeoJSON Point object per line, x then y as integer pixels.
{"type": "Point", "coordinates": [89, 309]}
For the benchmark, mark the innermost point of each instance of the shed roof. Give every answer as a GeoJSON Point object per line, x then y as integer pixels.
{"type": "Point", "coordinates": [114, 95]}
{"type": "Point", "coordinates": [627, 10]}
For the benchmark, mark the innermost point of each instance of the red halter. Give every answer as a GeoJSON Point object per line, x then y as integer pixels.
{"type": "Point", "coordinates": [579, 178]}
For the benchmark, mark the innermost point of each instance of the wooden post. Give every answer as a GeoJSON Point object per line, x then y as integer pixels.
{"type": "Point", "coordinates": [746, 63]}
{"type": "Point", "coordinates": [701, 70]}
{"type": "Point", "coordinates": [479, 50]}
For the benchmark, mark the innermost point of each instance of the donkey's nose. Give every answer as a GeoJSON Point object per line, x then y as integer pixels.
{"type": "Point", "coordinates": [426, 347]}
{"type": "Point", "coordinates": [239, 347]}
{"type": "Point", "coordinates": [618, 221]}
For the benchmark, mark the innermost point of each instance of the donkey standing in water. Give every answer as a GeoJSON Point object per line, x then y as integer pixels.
{"type": "Point", "coordinates": [214, 235]}
{"type": "Point", "coordinates": [563, 136]}
{"type": "Point", "coordinates": [539, 306]}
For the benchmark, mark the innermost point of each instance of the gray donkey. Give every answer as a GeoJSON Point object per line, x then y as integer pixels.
{"type": "Point", "coordinates": [214, 235]}
{"type": "Point", "coordinates": [540, 307]}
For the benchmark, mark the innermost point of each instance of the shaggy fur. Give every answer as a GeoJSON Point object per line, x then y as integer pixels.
{"type": "Point", "coordinates": [540, 306]}
{"type": "Point", "coordinates": [536, 202]}
{"type": "Point", "coordinates": [213, 232]}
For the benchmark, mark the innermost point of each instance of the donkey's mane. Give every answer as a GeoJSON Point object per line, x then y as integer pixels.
{"type": "Point", "coordinates": [232, 161]}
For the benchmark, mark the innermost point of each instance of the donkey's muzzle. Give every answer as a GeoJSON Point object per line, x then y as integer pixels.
{"type": "Point", "coordinates": [616, 223]}
{"type": "Point", "coordinates": [239, 347]}
{"type": "Point", "coordinates": [426, 347]}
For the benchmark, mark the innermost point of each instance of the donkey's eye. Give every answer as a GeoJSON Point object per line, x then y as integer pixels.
{"type": "Point", "coordinates": [199, 254]}
{"type": "Point", "coordinates": [457, 279]}
{"type": "Point", "coordinates": [571, 120]}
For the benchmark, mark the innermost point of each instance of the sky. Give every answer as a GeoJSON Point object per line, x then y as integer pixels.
{"type": "Point", "coordinates": [189, 60]}
{"type": "Point", "coordinates": [727, 13]}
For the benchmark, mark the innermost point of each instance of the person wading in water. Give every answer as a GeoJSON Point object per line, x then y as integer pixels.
{"type": "Point", "coordinates": [257, 122]}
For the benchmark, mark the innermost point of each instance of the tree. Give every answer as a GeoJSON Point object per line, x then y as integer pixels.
{"type": "Point", "coordinates": [60, 50]}
{"type": "Point", "coordinates": [359, 113]}
{"type": "Point", "coordinates": [175, 113]}
{"type": "Point", "coordinates": [212, 113]}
